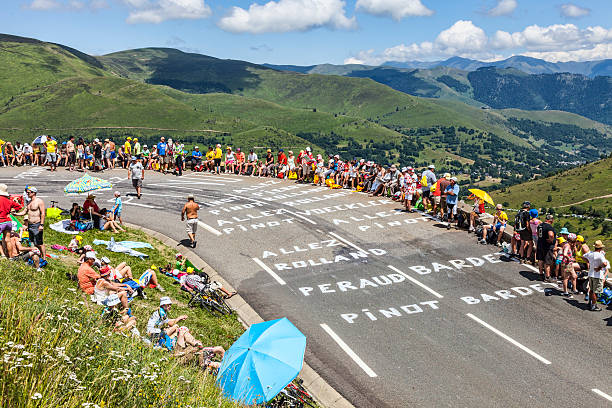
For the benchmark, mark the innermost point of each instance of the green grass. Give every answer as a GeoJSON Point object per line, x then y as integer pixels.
{"type": "Point", "coordinates": [566, 188]}
{"type": "Point", "coordinates": [54, 342]}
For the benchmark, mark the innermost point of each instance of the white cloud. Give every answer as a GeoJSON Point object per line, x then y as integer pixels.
{"type": "Point", "coordinates": [43, 5]}
{"type": "Point", "coordinates": [161, 10]}
{"type": "Point", "coordinates": [74, 5]}
{"type": "Point", "coordinates": [557, 42]}
{"type": "Point", "coordinates": [397, 9]}
{"type": "Point", "coordinates": [574, 11]}
{"type": "Point", "coordinates": [503, 8]}
{"type": "Point", "coordinates": [287, 15]}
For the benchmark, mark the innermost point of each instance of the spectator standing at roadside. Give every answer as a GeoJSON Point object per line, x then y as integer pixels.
{"type": "Point", "coordinates": [190, 210]}
{"type": "Point", "coordinates": [428, 179]}
{"type": "Point", "coordinates": [599, 267]}
{"type": "Point", "coordinates": [444, 182]}
{"type": "Point", "coordinates": [98, 156]}
{"type": "Point", "coordinates": [567, 266]}
{"type": "Point", "coordinates": [521, 226]}
{"type": "Point", "coordinates": [162, 148]}
{"type": "Point", "coordinates": [178, 158]}
{"type": "Point", "coordinates": [452, 195]}
{"type": "Point", "coordinates": [217, 159]}
{"type": "Point", "coordinates": [136, 174]}
{"type": "Point", "coordinates": [117, 207]}
{"type": "Point", "coordinates": [546, 244]}
{"type": "Point", "coordinates": [533, 227]}
{"type": "Point", "coordinates": [36, 220]}
{"type": "Point", "coordinates": [51, 158]}
{"type": "Point", "coordinates": [136, 149]}
{"type": "Point", "coordinates": [70, 151]}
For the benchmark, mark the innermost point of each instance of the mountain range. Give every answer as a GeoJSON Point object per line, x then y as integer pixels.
{"type": "Point", "coordinates": [51, 88]}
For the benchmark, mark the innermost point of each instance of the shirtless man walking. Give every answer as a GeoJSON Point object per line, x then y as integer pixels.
{"type": "Point", "coordinates": [190, 209]}
{"type": "Point", "coordinates": [36, 220]}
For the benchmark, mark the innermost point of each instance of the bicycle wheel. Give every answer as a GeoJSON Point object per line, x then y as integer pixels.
{"type": "Point", "coordinates": [219, 297]}
{"type": "Point", "coordinates": [297, 391]}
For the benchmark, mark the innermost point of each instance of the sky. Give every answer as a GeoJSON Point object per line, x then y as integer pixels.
{"type": "Point", "coordinates": [308, 32]}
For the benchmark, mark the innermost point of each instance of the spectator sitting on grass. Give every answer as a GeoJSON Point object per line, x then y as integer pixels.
{"type": "Point", "coordinates": [75, 243]}
{"type": "Point", "coordinates": [123, 274]}
{"type": "Point", "coordinates": [119, 320]}
{"type": "Point", "coordinates": [86, 275]}
{"type": "Point", "coordinates": [103, 288]}
{"type": "Point", "coordinates": [110, 223]}
{"type": "Point", "coordinates": [24, 253]}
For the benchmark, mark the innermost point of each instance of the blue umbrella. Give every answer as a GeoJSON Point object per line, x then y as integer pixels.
{"type": "Point", "coordinates": [42, 139]}
{"type": "Point", "coordinates": [266, 358]}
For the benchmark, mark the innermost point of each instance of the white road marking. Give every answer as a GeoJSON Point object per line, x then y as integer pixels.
{"type": "Point", "coordinates": [602, 394]}
{"type": "Point", "coordinates": [416, 282]}
{"type": "Point", "coordinates": [347, 242]}
{"type": "Point", "coordinates": [270, 271]}
{"type": "Point", "coordinates": [282, 209]}
{"type": "Point", "coordinates": [300, 216]}
{"type": "Point", "coordinates": [508, 338]}
{"type": "Point", "coordinates": [533, 268]}
{"type": "Point", "coordinates": [349, 351]}
{"type": "Point", "coordinates": [183, 186]}
{"type": "Point", "coordinates": [209, 228]}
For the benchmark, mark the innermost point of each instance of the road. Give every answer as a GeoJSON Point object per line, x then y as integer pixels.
{"type": "Point", "coordinates": [397, 310]}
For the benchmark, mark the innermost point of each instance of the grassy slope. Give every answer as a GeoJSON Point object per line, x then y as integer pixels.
{"type": "Point", "coordinates": [571, 186]}
{"type": "Point", "coordinates": [26, 66]}
{"type": "Point", "coordinates": [47, 315]}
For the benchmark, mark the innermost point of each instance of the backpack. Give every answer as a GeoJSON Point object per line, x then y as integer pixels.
{"type": "Point", "coordinates": [461, 220]}
{"type": "Point", "coordinates": [519, 221]}
{"type": "Point", "coordinates": [491, 236]}
{"type": "Point", "coordinates": [606, 296]}
{"type": "Point", "coordinates": [424, 181]}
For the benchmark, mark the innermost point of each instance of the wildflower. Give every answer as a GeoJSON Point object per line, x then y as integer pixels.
{"type": "Point", "coordinates": [72, 289]}
{"type": "Point", "coordinates": [36, 396]}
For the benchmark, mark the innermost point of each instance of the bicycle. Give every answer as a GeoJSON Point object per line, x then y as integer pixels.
{"type": "Point", "coordinates": [293, 396]}
{"type": "Point", "coordinates": [206, 299]}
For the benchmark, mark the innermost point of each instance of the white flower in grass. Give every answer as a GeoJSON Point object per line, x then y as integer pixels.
{"type": "Point", "coordinates": [72, 289]}
{"type": "Point", "coordinates": [37, 396]}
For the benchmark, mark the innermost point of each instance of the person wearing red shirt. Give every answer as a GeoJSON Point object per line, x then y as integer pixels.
{"type": "Point", "coordinates": [86, 275]}
{"type": "Point", "coordinates": [7, 206]}
{"type": "Point", "coordinates": [282, 162]}
{"type": "Point", "coordinates": [91, 208]}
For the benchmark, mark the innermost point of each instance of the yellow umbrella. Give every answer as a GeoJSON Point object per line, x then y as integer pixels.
{"type": "Point", "coordinates": [483, 195]}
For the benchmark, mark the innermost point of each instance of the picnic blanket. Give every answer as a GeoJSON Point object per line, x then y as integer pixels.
{"type": "Point", "coordinates": [127, 244]}
{"type": "Point", "coordinates": [117, 247]}
{"type": "Point", "coordinates": [61, 226]}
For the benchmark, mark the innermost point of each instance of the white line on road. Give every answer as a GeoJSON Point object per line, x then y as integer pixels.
{"type": "Point", "coordinates": [270, 271]}
{"type": "Point", "coordinates": [333, 234]}
{"type": "Point", "coordinates": [533, 268]}
{"type": "Point", "coordinates": [209, 228]}
{"type": "Point", "coordinates": [602, 394]}
{"type": "Point", "coordinates": [416, 282]}
{"type": "Point", "coordinates": [282, 209]}
{"type": "Point", "coordinates": [349, 351]}
{"type": "Point", "coordinates": [508, 338]}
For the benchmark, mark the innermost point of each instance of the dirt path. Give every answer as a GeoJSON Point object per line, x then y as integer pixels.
{"type": "Point", "coordinates": [123, 127]}
{"type": "Point", "coordinates": [584, 201]}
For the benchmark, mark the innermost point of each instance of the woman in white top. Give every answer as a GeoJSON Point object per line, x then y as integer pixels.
{"type": "Point", "coordinates": [291, 161]}
{"type": "Point", "coordinates": [104, 288]}
{"type": "Point", "coordinates": [230, 161]}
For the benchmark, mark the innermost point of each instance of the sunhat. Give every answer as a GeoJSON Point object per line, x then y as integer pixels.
{"type": "Point", "coordinates": [165, 301]}
{"type": "Point", "coordinates": [4, 190]}
{"type": "Point", "coordinates": [599, 244]}
{"type": "Point", "coordinates": [564, 231]}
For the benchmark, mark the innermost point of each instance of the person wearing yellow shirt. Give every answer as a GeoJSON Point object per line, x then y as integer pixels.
{"type": "Point", "coordinates": [51, 158]}
{"type": "Point", "coordinates": [500, 219]}
{"type": "Point", "coordinates": [136, 151]}
{"type": "Point", "coordinates": [218, 156]}
{"type": "Point", "coordinates": [210, 159]}
{"type": "Point", "coordinates": [127, 147]}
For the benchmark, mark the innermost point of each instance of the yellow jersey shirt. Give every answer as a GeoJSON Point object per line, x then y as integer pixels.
{"type": "Point", "coordinates": [502, 217]}
{"type": "Point", "coordinates": [210, 155]}
{"type": "Point", "coordinates": [127, 148]}
{"type": "Point", "coordinates": [51, 146]}
{"type": "Point", "coordinates": [218, 153]}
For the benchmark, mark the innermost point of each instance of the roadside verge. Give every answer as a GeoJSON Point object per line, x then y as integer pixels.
{"type": "Point", "coordinates": [321, 391]}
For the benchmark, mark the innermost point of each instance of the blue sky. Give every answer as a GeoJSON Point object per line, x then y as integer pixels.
{"type": "Point", "coordinates": [306, 32]}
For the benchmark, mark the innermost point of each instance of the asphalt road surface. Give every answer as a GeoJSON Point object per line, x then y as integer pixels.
{"type": "Point", "coordinates": [397, 310]}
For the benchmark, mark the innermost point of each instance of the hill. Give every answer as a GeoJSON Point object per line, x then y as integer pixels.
{"type": "Point", "coordinates": [201, 99]}
{"type": "Point", "coordinates": [503, 84]}
{"type": "Point", "coordinates": [584, 191]}
{"type": "Point", "coordinates": [528, 65]}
